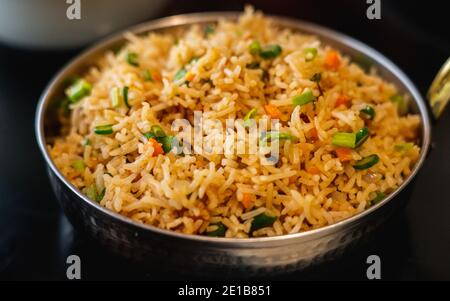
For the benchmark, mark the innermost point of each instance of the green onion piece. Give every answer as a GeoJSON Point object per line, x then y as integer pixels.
{"type": "Point", "coordinates": [79, 165]}
{"type": "Point", "coordinates": [157, 131]}
{"type": "Point", "coordinates": [194, 59]}
{"type": "Point", "coordinates": [65, 107]}
{"type": "Point", "coordinates": [361, 136]}
{"type": "Point", "coordinates": [344, 139]}
{"type": "Point", "coordinates": [149, 135]}
{"type": "Point", "coordinates": [253, 65]}
{"type": "Point", "coordinates": [310, 53]}
{"type": "Point", "coordinates": [367, 113]}
{"type": "Point", "coordinates": [115, 96]}
{"type": "Point", "coordinates": [179, 75]}
{"type": "Point", "coordinates": [367, 162]}
{"type": "Point", "coordinates": [270, 51]}
{"type": "Point", "coordinates": [219, 232]}
{"type": "Point", "coordinates": [261, 221]}
{"type": "Point", "coordinates": [147, 75]}
{"type": "Point", "coordinates": [166, 143]}
{"type": "Point", "coordinates": [103, 129]}
{"type": "Point", "coordinates": [100, 195]}
{"type": "Point", "coordinates": [316, 77]}
{"type": "Point", "coordinates": [403, 147]}
{"type": "Point", "coordinates": [277, 136]}
{"type": "Point", "coordinates": [209, 29]}
{"type": "Point", "coordinates": [87, 142]}
{"type": "Point", "coordinates": [378, 198]}
{"type": "Point", "coordinates": [402, 105]}
{"type": "Point", "coordinates": [78, 90]}
{"type": "Point", "coordinates": [132, 59]}
{"type": "Point", "coordinates": [91, 192]}
{"type": "Point", "coordinates": [255, 48]}
{"type": "Point", "coordinates": [251, 114]}
{"type": "Point", "coordinates": [125, 96]}
{"type": "Point", "coordinates": [304, 98]}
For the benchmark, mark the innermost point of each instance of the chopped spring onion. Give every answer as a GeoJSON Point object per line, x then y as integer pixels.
{"type": "Point", "coordinates": [125, 96]}
{"type": "Point", "coordinates": [219, 232]}
{"type": "Point", "coordinates": [116, 97]}
{"type": "Point", "coordinates": [310, 53]}
{"type": "Point", "coordinates": [166, 142]}
{"type": "Point", "coordinates": [402, 105]}
{"type": "Point", "coordinates": [270, 51]}
{"type": "Point", "coordinates": [367, 112]}
{"type": "Point", "coordinates": [255, 48]}
{"type": "Point", "coordinates": [93, 193]}
{"type": "Point", "coordinates": [261, 221]}
{"type": "Point", "coordinates": [378, 198]}
{"type": "Point", "coordinates": [132, 59]}
{"type": "Point", "coordinates": [249, 117]}
{"type": "Point", "coordinates": [344, 139]}
{"type": "Point", "coordinates": [209, 29]}
{"type": "Point", "coordinates": [147, 75]}
{"type": "Point", "coordinates": [79, 165]}
{"type": "Point", "coordinates": [179, 75]}
{"type": "Point", "coordinates": [277, 136]}
{"type": "Point", "coordinates": [367, 162]}
{"type": "Point", "coordinates": [253, 65]}
{"type": "Point", "coordinates": [361, 136]}
{"type": "Point", "coordinates": [78, 90]}
{"type": "Point", "coordinates": [103, 129]}
{"type": "Point", "coordinates": [149, 135]}
{"type": "Point", "coordinates": [403, 147]}
{"type": "Point", "coordinates": [87, 142]}
{"type": "Point", "coordinates": [304, 98]}
{"type": "Point", "coordinates": [157, 131]}
{"type": "Point", "coordinates": [65, 107]}
{"type": "Point", "coordinates": [316, 77]}
{"type": "Point", "coordinates": [100, 195]}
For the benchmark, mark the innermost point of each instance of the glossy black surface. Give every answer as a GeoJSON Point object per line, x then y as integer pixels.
{"type": "Point", "coordinates": [35, 238]}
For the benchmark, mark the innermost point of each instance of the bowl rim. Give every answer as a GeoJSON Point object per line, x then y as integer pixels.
{"type": "Point", "coordinates": [210, 17]}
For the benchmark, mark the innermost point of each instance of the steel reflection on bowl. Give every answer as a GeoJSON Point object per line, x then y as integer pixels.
{"type": "Point", "coordinates": [199, 254]}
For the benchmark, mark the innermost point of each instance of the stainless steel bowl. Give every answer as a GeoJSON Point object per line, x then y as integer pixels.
{"type": "Point", "coordinates": [199, 254]}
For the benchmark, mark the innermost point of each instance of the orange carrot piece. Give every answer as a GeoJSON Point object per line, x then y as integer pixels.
{"type": "Point", "coordinates": [313, 170]}
{"type": "Point", "coordinates": [189, 76]}
{"type": "Point", "coordinates": [344, 154]}
{"type": "Point", "coordinates": [246, 200]}
{"type": "Point", "coordinates": [312, 134]}
{"type": "Point", "coordinates": [272, 111]}
{"type": "Point", "coordinates": [332, 60]}
{"type": "Point", "coordinates": [157, 148]}
{"type": "Point", "coordinates": [342, 100]}
{"type": "Point", "coordinates": [156, 76]}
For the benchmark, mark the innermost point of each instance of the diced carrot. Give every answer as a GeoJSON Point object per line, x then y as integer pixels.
{"type": "Point", "coordinates": [313, 170]}
{"type": "Point", "coordinates": [344, 154]}
{"type": "Point", "coordinates": [189, 76]}
{"type": "Point", "coordinates": [157, 148]}
{"type": "Point", "coordinates": [342, 100]}
{"type": "Point", "coordinates": [332, 60]}
{"type": "Point", "coordinates": [246, 200]}
{"type": "Point", "coordinates": [272, 111]}
{"type": "Point", "coordinates": [156, 76]}
{"type": "Point", "coordinates": [312, 134]}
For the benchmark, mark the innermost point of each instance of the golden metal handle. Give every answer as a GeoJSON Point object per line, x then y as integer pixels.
{"type": "Point", "coordinates": [439, 92]}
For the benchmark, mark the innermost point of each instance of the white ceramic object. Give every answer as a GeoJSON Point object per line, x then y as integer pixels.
{"type": "Point", "coordinates": [44, 23]}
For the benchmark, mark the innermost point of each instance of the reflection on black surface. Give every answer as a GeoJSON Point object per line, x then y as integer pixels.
{"type": "Point", "coordinates": [35, 238]}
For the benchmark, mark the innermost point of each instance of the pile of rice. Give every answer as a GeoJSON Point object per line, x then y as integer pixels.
{"type": "Point", "coordinates": [310, 187]}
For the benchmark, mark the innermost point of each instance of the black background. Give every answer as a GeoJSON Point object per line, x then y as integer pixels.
{"type": "Point", "coordinates": [35, 237]}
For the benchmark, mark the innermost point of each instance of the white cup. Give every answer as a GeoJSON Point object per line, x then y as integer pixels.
{"type": "Point", "coordinates": [45, 24]}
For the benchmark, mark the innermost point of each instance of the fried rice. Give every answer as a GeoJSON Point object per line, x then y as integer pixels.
{"type": "Point", "coordinates": [226, 70]}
